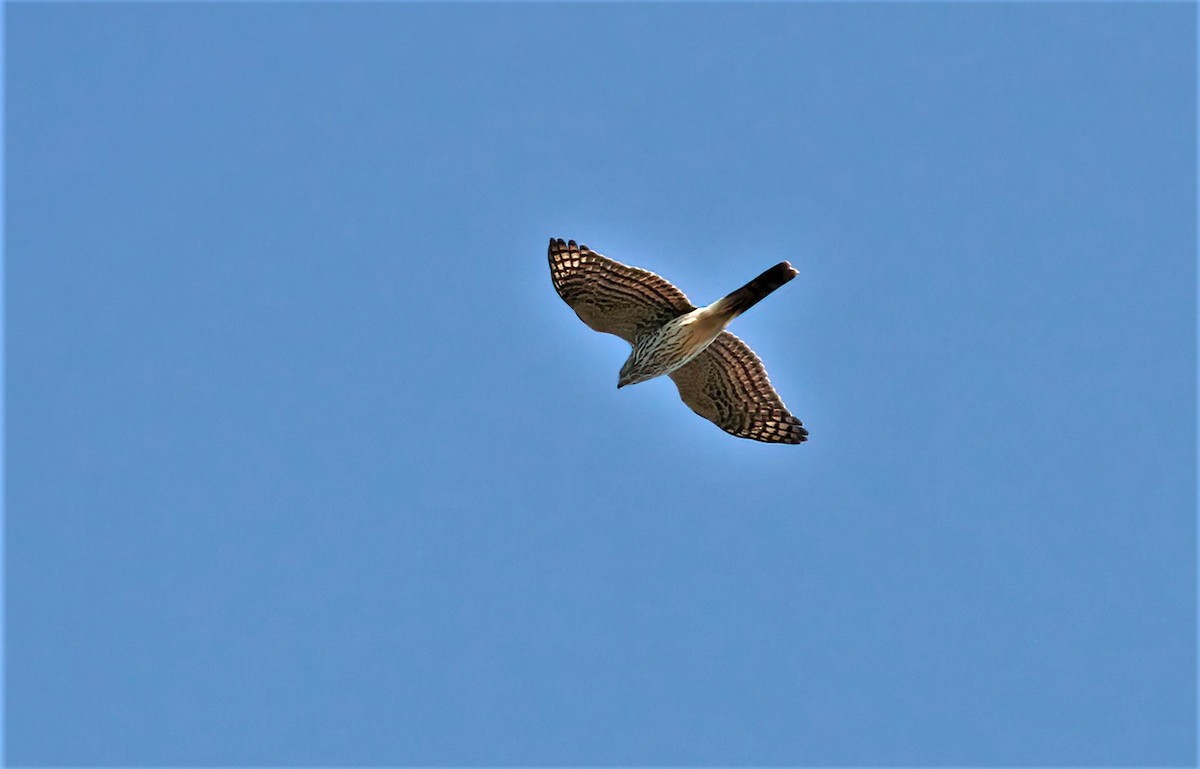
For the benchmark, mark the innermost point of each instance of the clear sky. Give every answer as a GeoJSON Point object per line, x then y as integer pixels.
{"type": "Point", "coordinates": [308, 464]}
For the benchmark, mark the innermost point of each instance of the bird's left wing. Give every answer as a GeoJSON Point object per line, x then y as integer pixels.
{"type": "Point", "coordinates": [612, 297]}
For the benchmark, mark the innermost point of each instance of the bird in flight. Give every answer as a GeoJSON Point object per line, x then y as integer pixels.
{"type": "Point", "coordinates": [718, 376]}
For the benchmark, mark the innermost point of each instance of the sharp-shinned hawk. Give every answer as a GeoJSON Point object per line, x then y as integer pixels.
{"type": "Point", "coordinates": [718, 376]}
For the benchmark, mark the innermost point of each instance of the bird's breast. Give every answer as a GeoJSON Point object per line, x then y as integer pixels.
{"type": "Point", "coordinates": [681, 340]}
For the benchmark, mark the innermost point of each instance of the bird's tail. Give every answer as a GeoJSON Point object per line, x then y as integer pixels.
{"type": "Point", "coordinates": [756, 290]}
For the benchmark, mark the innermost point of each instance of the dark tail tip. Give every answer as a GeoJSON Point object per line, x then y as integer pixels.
{"type": "Point", "coordinates": [753, 292]}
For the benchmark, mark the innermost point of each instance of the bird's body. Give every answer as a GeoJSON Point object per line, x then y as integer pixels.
{"type": "Point", "coordinates": [719, 377]}
{"type": "Point", "coordinates": [681, 339]}
{"type": "Point", "coordinates": [671, 346]}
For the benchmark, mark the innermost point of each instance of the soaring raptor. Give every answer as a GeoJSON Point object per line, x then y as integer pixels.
{"type": "Point", "coordinates": [718, 376]}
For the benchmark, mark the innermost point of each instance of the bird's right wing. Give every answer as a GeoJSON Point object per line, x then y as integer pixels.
{"type": "Point", "coordinates": [612, 297]}
{"type": "Point", "coordinates": [727, 385]}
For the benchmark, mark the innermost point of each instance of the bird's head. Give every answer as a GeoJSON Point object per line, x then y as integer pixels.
{"type": "Point", "coordinates": [631, 373]}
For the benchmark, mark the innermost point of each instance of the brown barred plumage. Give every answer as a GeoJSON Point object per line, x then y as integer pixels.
{"type": "Point", "coordinates": [718, 376]}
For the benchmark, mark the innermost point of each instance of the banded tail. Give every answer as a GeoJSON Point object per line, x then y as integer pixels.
{"type": "Point", "coordinates": [756, 290]}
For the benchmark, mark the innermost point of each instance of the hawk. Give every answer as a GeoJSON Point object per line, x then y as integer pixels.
{"type": "Point", "coordinates": [718, 376]}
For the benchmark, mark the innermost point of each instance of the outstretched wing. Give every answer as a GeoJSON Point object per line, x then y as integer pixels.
{"type": "Point", "coordinates": [727, 385]}
{"type": "Point", "coordinates": [610, 296]}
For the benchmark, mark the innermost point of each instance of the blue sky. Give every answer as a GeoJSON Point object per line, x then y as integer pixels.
{"type": "Point", "coordinates": [307, 464]}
